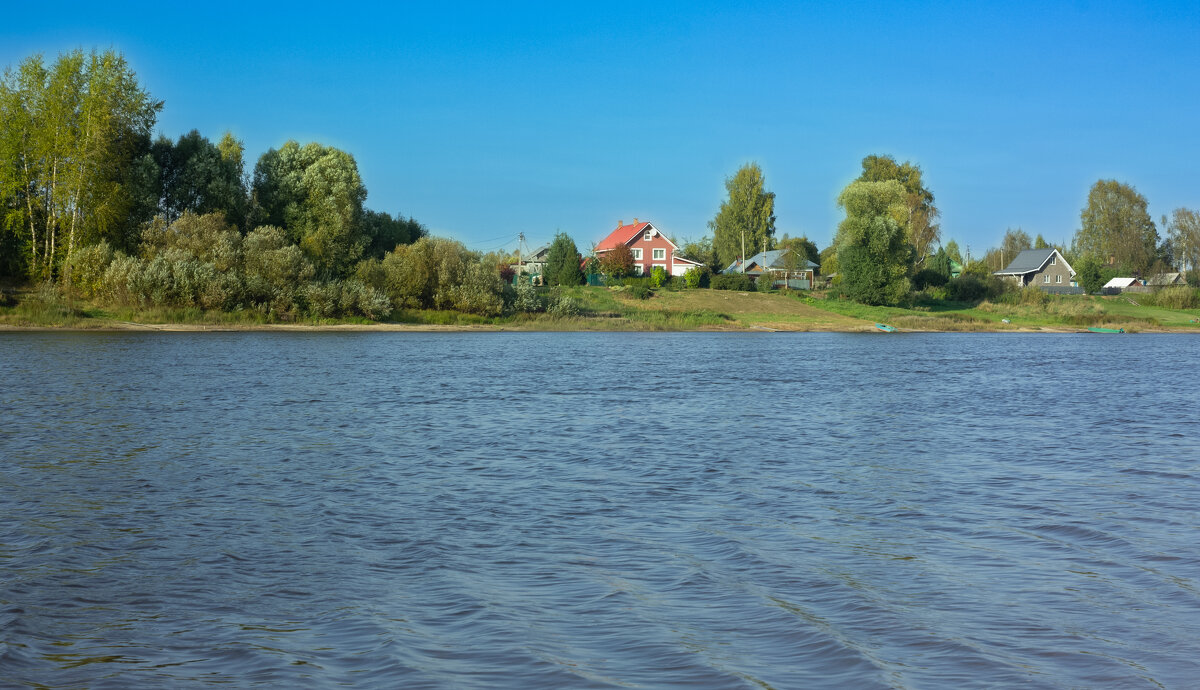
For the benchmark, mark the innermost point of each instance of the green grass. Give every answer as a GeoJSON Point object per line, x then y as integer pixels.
{"type": "Point", "coordinates": [617, 310]}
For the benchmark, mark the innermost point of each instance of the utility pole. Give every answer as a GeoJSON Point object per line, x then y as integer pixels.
{"type": "Point", "coordinates": [520, 266]}
{"type": "Point", "coordinates": [743, 251]}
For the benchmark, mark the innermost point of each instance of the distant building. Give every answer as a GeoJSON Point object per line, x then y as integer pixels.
{"type": "Point", "coordinates": [774, 262]}
{"type": "Point", "coordinates": [1044, 268]}
{"type": "Point", "coordinates": [650, 248]}
{"type": "Point", "coordinates": [1166, 279]}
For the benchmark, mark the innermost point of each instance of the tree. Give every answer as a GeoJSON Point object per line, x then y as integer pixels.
{"type": "Point", "coordinates": [873, 254]}
{"type": "Point", "coordinates": [920, 217]}
{"type": "Point", "coordinates": [804, 247]}
{"type": "Point", "coordinates": [71, 133]}
{"type": "Point", "coordinates": [1014, 242]}
{"type": "Point", "coordinates": [562, 262]}
{"type": "Point", "coordinates": [1183, 229]}
{"type": "Point", "coordinates": [747, 215]}
{"type": "Point", "coordinates": [1116, 227]}
{"type": "Point", "coordinates": [1040, 242]}
{"type": "Point", "coordinates": [384, 232]}
{"type": "Point", "coordinates": [316, 194]}
{"type": "Point", "coordinates": [953, 252]}
{"type": "Point", "coordinates": [1088, 274]}
{"type": "Point", "coordinates": [703, 251]}
{"type": "Point", "coordinates": [940, 263]}
{"type": "Point", "coordinates": [197, 176]}
{"type": "Point", "coordinates": [617, 262]}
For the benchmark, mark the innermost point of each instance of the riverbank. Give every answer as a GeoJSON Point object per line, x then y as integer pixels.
{"type": "Point", "coordinates": [602, 309]}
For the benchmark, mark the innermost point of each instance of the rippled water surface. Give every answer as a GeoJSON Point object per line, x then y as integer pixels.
{"type": "Point", "coordinates": [599, 510]}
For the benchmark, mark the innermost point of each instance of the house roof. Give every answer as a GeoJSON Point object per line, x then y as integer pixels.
{"type": "Point", "coordinates": [1165, 279]}
{"type": "Point", "coordinates": [1122, 282]}
{"type": "Point", "coordinates": [773, 259]}
{"type": "Point", "coordinates": [1032, 261]}
{"type": "Point", "coordinates": [622, 235]}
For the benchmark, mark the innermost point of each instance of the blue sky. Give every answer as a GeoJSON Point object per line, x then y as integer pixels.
{"type": "Point", "coordinates": [483, 121]}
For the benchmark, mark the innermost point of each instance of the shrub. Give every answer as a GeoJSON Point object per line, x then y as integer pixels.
{"type": "Point", "coordinates": [86, 269]}
{"type": "Point", "coordinates": [968, 287]}
{"type": "Point", "coordinates": [928, 277]}
{"type": "Point", "coordinates": [526, 300]}
{"type": "Point", "coordinates": [765, 283]}
{"type": "Point", "coordinates": [561, 304]}
{"type": "Point", "coordinates": [697, 277]}
{"type": "Point", "coordinates": [659, 276]}
{"type": "Point", "coordinates": [640, 281]}
{"type": "Point", "coordinates": [732, 281]}
{"type": "Point", "coordinates": [639, 292]}
{"type": "Point", "coordinates": [479, 291]}
{"type": "Point", "coordinates": [1174, 297]}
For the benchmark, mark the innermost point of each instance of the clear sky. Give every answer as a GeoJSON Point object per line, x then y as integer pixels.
{"type": "Point", "coordinates": [483, 121]}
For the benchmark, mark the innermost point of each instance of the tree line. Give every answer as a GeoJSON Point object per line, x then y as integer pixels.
{"type": "Point", "coordinates": [78, 167]}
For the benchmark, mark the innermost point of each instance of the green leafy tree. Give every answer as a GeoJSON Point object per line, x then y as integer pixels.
{"type": "Point", "coordinates": [562, 262]}
{"type": "Point", "coordinates": [385, 232]}
{"type": "Point", "coordinates": [873, 253]}
{"type": "Point", "coordinates": [197, 176]}
{"type": "Point", "coordinates": [802, 247]}
{"type": "Point", "coordinates": [71, 131]}
{"type": "Point", "coordinates": [920, 214]}
{"type": "Point", "coordinates": [1183, 229]}
{"type": "Point", "coordinates": [940, 263]}
{"type": "Point", "coordinates": [953, 252]}
{"type": "Point", "coordinates": [1089, 274]}
{"type": "Point", "coordinates": [1040, 242]}
{"type": "Point", "coordinates": [703, 251]}
{"type": "Point", "coordinates": [747, 215]}
{"type": "Point", "coordinates": [1115, 226]}
{"type": "Point", "coordinates": [659, 276]}
{"type": "Point", "coordinates": [316, 194]}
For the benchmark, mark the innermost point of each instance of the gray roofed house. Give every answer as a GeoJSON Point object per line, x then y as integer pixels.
{"type": "Point", "coordinates": [1165, 279]}
{"type": "Point", "coordinates": [1045, 268]}
{"type": "Point", "coordinates": [775, 261]}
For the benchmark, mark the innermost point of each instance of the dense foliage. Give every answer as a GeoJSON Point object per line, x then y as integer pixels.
{"type": "Point", "coordinates": [873, 254]}
{"type": "Point", "coordinates": [563, 262]}
{"type": "Point", "coordinates": [746, 218]}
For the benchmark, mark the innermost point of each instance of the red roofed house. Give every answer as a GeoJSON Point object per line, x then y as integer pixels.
{"type": "Point", "coordinates": [649, 246]}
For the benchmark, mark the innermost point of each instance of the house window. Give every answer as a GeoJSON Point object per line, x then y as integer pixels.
{"type": "Point", "coordinates": [637, 254]}
{"type": "Point", "coordinates": [1053, 259]}
{"type": "Point", "coordinates": [659, 254]}
{"type": "Point", "coordinates": [1046, 278]}
{"type": "Point", "coordinates": [646, 236]}
{"type": "Point", "coordinates": [1058, 279]}
{"type": "Point", "coordinates": [638, 268]}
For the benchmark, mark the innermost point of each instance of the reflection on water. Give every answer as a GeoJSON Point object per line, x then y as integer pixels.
{"type": "Point", "coordinates": [599, 510]}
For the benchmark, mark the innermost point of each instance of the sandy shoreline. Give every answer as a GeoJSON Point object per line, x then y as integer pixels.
{"type": "Point", "coordinates": [129, 326]}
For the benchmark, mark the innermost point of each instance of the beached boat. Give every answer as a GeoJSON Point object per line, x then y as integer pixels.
{"type": "Point", "coordinates": [885, 327]}
{"type": "Point", "coordinates": [1097, 329]}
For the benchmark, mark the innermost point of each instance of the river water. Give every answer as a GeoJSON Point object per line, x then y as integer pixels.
{"type": "Point", "coordinates": [599, 510]}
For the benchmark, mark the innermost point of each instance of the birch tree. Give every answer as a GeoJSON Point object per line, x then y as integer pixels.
{"type": "Point", "coordinates": [71, 132]}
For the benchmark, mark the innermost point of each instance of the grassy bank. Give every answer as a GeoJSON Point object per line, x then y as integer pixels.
{"type": "Point", "coordinates": [621, 310]}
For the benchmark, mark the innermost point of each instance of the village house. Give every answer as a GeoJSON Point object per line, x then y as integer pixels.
{"type": "Point", "coordinates": [1043, 268]}
{"type": "Point", "coordinates": [1166, 280]}
{"type": "Point", "coordinates": [775, 262]}
{"type": "Point", "coordinates": [649, 246]}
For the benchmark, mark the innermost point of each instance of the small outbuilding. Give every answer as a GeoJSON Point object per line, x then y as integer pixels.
{"type": "Point", "coordinates": [1166, 280]}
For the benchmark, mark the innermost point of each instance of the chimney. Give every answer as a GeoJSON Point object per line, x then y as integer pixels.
{"type": "Point", "coordinates": [620, 223]}
{"type": "Point", "coordinates": [635, 221]}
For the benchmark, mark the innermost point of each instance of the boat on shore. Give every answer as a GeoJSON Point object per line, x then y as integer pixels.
{"type": "Point", "coordinates": [1097, 329]}
{"type": "Point", "coordinates": [885, 327]}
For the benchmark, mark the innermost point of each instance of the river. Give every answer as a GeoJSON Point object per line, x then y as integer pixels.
{"type": "Point", "coordinates": [599, 510]}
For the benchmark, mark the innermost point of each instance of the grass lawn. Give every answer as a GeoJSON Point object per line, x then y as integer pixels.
{"type": "Point", "coordinates": [602, 308]}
